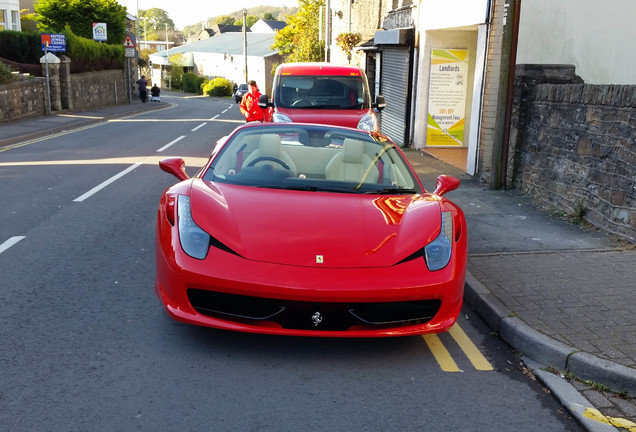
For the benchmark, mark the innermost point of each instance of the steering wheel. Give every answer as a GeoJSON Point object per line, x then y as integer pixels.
{"type": "Point", "coordinates": [270, 159]}
{"type": "Point", "coordinates": [302, 102]}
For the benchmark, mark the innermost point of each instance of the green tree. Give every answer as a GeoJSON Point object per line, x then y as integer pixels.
{"type": "Point", "coordinates": [157, 20]}
{"type": "Point", "coordinates": [250, 20]}
{"type": "Point", "coordinates": [269, 17]}
{"type": "Point", "coordinates": [54, 15]}
{"type": "Point", "coordinates": [225, 20]}
{"type": "Point", "coordinates": [299, 39]}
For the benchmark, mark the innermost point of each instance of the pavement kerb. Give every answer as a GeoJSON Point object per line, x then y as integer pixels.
{"type": "Point", "coordinates": [542, 348]}
{"type": "Point", "coordinates": [79, 124]}
{"type": "Point", "coordinates": [578, 406]}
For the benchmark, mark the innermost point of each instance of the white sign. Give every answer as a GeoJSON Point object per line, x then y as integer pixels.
{"type": "Point", "coordinates": [99, 32]}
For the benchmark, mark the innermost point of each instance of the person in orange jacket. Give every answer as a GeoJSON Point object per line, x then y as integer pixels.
{"type": "Point", "coordinates": [249, 104]}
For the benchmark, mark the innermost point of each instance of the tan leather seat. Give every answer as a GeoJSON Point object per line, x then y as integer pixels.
{"type": "Point", "coordinates": [270, 146]}
{"type": "Point", "coordinates": [351, 164]}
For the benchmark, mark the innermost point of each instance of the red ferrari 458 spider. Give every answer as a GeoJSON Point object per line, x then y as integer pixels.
{"type": "Point", "coordinates": [311, 230]}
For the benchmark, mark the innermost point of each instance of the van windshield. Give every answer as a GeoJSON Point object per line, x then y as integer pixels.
{"type": "Point", "coordinates": [321, 92]}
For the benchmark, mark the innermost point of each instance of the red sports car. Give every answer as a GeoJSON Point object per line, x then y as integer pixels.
{"type": "Point", "coordinates": [311, 230]}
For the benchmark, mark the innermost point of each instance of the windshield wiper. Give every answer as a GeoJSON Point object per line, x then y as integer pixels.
{"type": "Point", "coordinates": [314, 188]}
{"type": "Point", "coordinates": [326, 107]}
{"type": "Point", "coordinates": [391, 191]}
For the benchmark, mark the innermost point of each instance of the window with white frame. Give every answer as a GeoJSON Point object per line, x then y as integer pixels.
{"type": "Point", "coordinates": [15, 20]}
{"type": "Point", "coordinates": [3, 19]}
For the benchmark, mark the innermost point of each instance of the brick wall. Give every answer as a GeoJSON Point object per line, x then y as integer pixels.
{"type": "Point", "coordinates": [574, 146]}
{"type": "Point", "coordinates": [491, 91]}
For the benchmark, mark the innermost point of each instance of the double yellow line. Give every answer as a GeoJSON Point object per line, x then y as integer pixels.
{"type": "Point", "coordinates": [444, 358]}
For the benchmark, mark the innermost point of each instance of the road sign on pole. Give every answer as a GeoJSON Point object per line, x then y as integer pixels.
{"type": "Point", "coordinates": [128, 43]}
{"type": "Point", "coordinates": [53, 42]}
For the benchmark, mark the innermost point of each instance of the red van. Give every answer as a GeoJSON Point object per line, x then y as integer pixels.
{"type": "Point", "coordinates": [322, 93]}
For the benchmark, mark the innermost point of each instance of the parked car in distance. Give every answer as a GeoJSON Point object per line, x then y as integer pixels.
{"type": "Point", "coordinates": [240, 92]}
{"type": "Point", "coordinates": [309, 230]}
{"type": "Point", "coordinates": [322, 93]}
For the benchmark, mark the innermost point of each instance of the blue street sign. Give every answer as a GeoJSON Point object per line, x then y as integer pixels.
{"type": "Point", "coordinates": [53, 42]}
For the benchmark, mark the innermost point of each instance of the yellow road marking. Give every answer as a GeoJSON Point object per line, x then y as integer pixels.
{"type": "Point", "coordinates": [474, 355]}
{"type": "Point", "coordinates": [441, 354]}
{"type": "Point", "coordinates": [594, 414]}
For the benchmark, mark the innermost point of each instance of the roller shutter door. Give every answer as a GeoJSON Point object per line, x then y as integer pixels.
{"type": "Point", "coordinates": [395, 86]}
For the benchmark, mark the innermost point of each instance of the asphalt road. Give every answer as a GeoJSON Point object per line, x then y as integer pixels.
{"type": "Point", "coordinates": [86, 346]}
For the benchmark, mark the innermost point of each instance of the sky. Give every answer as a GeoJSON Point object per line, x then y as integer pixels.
{"type": "Point", "coordinates": [188, 12]}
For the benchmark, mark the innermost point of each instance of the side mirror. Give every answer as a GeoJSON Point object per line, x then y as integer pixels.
{"type": "Point", "coordinates": [444, 184]}
{"type": "Point", "coordinates": [174, 166]}
{"type": "Point", "coordinates": [380, 103]}
{"type": "Point", "coordinates": [263, 102]}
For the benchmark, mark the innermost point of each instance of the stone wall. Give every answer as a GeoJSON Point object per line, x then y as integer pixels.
{"type": "Point", "coordinates": [27, 97]}
{"type": "Point", "coordinates": [96, 89]}
{"type": "Point", "coordinates": [22, 99]}
{"type": "Point", "coordinates": [573, 147]}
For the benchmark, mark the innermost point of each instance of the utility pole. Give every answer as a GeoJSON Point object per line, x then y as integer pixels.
{"type": "Point", "coordinates": [327, 29]}
{"type": "Point", "coordinates": [168, 55]}
{"type": "Point", "coordinates": [245, 41]}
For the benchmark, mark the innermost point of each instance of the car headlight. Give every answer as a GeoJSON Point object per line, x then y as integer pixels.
{"type": "Point", "coordinates": [194, 241]}
{"type": "Point", "coordinates": [280, 118]}
{"type": "Point", "coordinates": [368, 122]}
{"type": "Point", "coordinates": [438, 252]}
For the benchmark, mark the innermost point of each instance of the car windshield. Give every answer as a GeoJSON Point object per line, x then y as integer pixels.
{"type": "Point", "coordinates": [321, 92]}
{"type": "Point", "coordinates": [312, 158]}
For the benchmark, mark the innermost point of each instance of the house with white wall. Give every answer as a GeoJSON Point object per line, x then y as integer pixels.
{"type": "Point", "coordinates": [421, 51]}
{"type": "Point", "coordinates": [223, 56]}
{"type": "Point", "coordinates": [10, 15]}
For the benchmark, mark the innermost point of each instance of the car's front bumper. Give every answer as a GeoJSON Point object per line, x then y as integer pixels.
{"type": "Point", "coordinates": [228, 292]}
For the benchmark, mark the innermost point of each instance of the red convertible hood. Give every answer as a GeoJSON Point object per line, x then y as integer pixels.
{"type": "Point", "coordinates": [347, 118]}
{"type": "Point", "coordinates": [316, 229]}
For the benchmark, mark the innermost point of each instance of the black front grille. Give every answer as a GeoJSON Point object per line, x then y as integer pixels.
{"type": "Point", "coordinates": [312, 315]}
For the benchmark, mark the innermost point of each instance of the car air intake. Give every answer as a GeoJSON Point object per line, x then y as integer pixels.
{"type": "Point", "coordinates": [298, 315]}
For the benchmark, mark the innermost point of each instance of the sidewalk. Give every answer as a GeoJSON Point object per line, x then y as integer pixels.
{"type": "Point", "coordinates": [564, 296]}
{"type": "Point", "coordinates": [31, 128]}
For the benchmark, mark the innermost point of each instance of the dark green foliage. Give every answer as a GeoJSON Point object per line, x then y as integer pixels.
{"type": "Point", "coordinates": [192, 83]}
{"type": "Point", "coordinates": [87, 55]}
{"type": "Point", "coordinates": [20, 47]}
{"type": "Point", "coordinates": [5, 74]}
{"type": "Point", "coordinates": [54, 15]}
{"type": "Point", "coordinates": [218, 87]}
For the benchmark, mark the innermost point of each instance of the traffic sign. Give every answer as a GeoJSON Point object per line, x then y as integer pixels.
{"type": "Point", "coordinates": [128, 43]}
{"type": "Point", "coordinates": [53, 42]}
{"type": "Point", "coordinates": [130, 52]}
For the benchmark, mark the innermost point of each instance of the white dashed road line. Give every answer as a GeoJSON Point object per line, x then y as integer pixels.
{"type": "Point", "coordinates": [12, 241]}
{"type": "Point", "coordinates": [106, 183]}
{"type": "Point", "coordinates": [171, 143]}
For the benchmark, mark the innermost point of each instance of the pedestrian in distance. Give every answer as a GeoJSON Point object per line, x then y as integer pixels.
{"type": "Point", "coordinates": [249, 104]}
{"type": "Point", "coordinates": [155, 92]}
{"type": "Point", "coordinates": [234, 88]}
{"type": "Point", "coordinates": [141, 85]}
